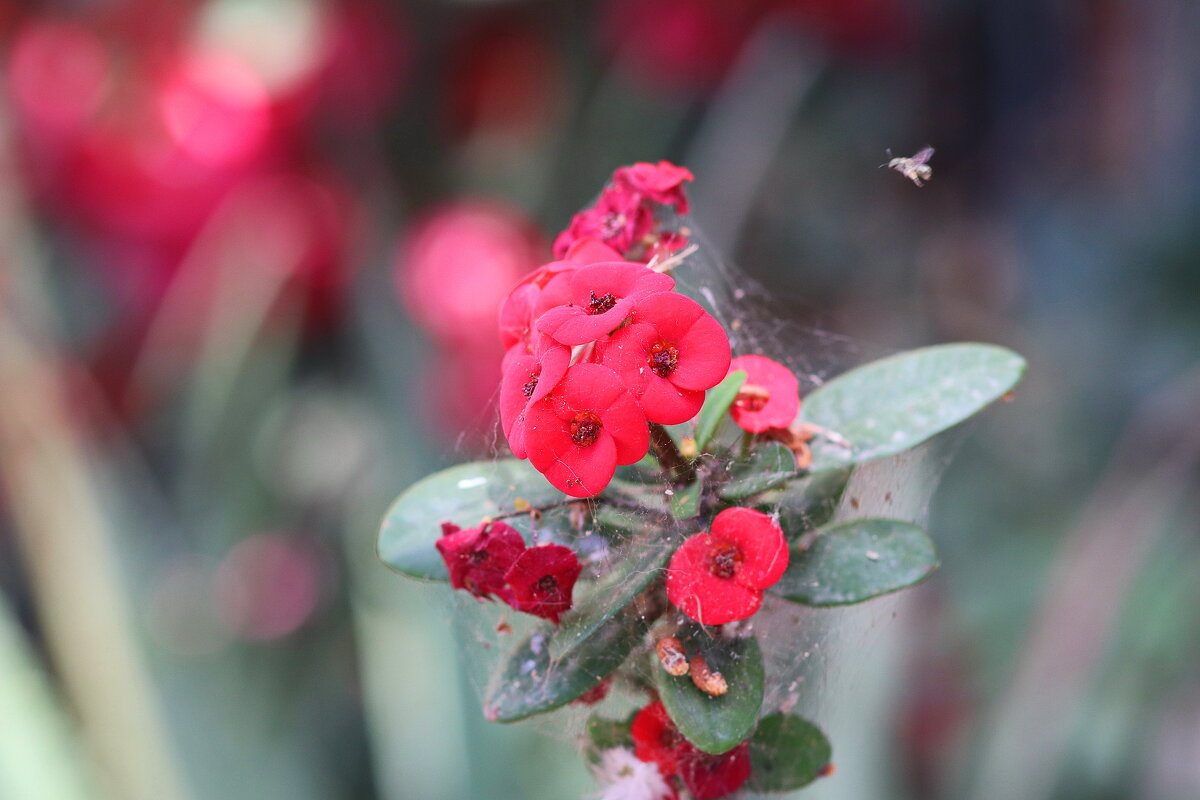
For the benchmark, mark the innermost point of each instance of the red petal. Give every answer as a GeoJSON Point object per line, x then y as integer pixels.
{"type": "Point", "coordinates": [784, 403]}
{"type": "Point", "coordinates": [572, 325]}
{"type": "Point", "coordinates": [761, 540]}
{"type": "Point", "coordinates": [666, 404]}
{"type": "Point", "coordinates": [708, 776]}
{"type": "Point", "coordinates": [656, 740]}
{"type": "Point", "coordinates": [701, 595]}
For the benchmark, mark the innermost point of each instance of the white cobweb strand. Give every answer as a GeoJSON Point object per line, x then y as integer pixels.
{"type": "Point", "coordinates": [623, 776]}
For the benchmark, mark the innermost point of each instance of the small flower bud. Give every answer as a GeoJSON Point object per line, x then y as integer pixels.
{"type": "Point", "coordinates": [671, 655]}
{"type": "Point", "coordinates": [687, 447]}
{"type": "Point", "coordinates": [707, 680]}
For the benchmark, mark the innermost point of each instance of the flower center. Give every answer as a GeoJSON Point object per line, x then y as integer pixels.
{"type": "Point", "coordinates": [547, 585]}
{"type": "Point", "coordinates": [585, 429]}
{"type": "Point", "coordinates": [724, 560]}
{"type": "Point", "coordinates": [528, 388]}
{"type": "Point", "coordinates": [611, 225]}
{"type": "Point", "coordinates": [663, 359]}
{"type": "Point", "coordinates": [752, 398]}
{"type": "Point", "coordinates": [599, 305]}
{"type": "Point", "coordinates": [477, 557]}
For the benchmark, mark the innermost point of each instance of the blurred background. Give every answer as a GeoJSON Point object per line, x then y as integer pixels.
{"type": "Point", "coordinates": [250, 258]}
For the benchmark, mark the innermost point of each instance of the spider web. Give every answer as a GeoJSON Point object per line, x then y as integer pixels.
{"type": "Point", "coordinates": [823, 664]}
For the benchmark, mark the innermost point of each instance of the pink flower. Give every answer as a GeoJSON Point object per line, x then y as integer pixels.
{"type": "Point", "coordinates": [660, 183]}
{"type": "Point", "coordinates": [542, 580]}
{"type": "Point", "coordinates": [619, 219]}
{"type": "Point", "coordinates": [770, 397]}
{"type": "Point", "coordinates": [718, 577]}
{"type": "Point", "coordinates": [588, 425]}
{"type": "Point", "coordinates": [479, 558]}
{"type": "Point", "coordinates": [600, 297]}
{"type": "Point", "coordinates": [668, 356]}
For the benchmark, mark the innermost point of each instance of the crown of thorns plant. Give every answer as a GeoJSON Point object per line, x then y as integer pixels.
{"type": "Point", "coordinates": [629, 488]}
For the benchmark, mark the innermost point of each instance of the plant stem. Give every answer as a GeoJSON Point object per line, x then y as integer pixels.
{"type": "Point", "coordinates": [669, 457]}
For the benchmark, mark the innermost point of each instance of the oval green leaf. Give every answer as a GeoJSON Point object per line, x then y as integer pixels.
{"type": "Point", "coordinates": [854, 561]}
{"type": "Point", "coordinates": [464, 495]}
{"type": "Point", "coordinates": [893, 404]}
{"type": "Point", "coordinates": [806, 502]}
{"type": "Point", "coordinates": [715, 724]}
{"type": "Point", "coordinates": [786, 752]}
{"type": "Point", "coordinates": [769, 465]}
{"type": "Point", "coordinates": [716, 405]}
{"type": "Point", "coordinates": [605, 598]}
{"type": "Point", "coordinates": [532, 682]}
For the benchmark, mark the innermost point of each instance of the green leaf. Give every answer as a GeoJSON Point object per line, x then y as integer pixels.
{"type": "Point", "coordinates": [719, 399]}
{"type": "Point", "coordinates": [606, 597]}
{"type": "Point", "coordinates": [769, 465]}
{"type": "Point", "coordinates": [786, 752]}
{"type": "Point", "coordinates": [854, 561]}
{"type": "Point", "coordinates": [645, 471]}
{"type": "Point", "coordinates": [805, 502]}
{"type": "Point", "coordinates": [714, 724]}
{"type": "Point", "coordinates": [531, 682]}
{"type": "Point", "coordinates": [605, 734]}
{"type": "Point", "coordinates": [464, 495]}
{"type": "Point", "coordinates": [685, 502]}
{"type": "Point", "coordinates": [896, 403]}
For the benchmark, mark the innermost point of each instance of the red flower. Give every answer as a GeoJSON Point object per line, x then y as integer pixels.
{"type": "Point", "coordinates": [659, 183]}
{"type": "Point", "coordinates": [542, 580]}
{"type": "Point", "coordinates": [526, 380]}
{"type": "Point", "coordinates": [479, 558]}
{"type": "Point", "coordinates": [619, 219]}
{"type": "Point", "coordinates": [718, 577]}
{"type": "Point", "coordinates": [600, 297]}
{"type": "Point", "coordinates": [588, 425]}
{"type": "Point", "coordinates": [533, 294]}
{"type": "Point", "coordinates": [770, 398]}
{"type": "Point", "coordinates": [656, 740]}
{"type": "Point", "coordinates": [708, 776]}
{"type": "Point", "coordinates": [672, 352]}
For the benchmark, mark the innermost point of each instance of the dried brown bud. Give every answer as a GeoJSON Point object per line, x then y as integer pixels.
{"type": "Point", "coordinates": [671, 655]}
{"type": "Point", "coordinates": [707, 680]}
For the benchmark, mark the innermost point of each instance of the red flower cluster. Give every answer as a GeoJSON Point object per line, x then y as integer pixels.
{"type": "Point", "coordinates": [719, 577]}
{"type": "Point", "coordinates": [597, 346]}
{"type": "Point", "coordinates": [623, 216]}
{"type": "Point", "coordinates": [492, 560]}
{"type": "Point", "coordinates": [656, 740]}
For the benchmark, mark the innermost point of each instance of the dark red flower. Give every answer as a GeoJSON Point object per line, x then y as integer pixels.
{"type": "Point", "coordinates": [542, 579]}
{"type": "Point", "coordinates": [770, 397]}
{"type": "Point", "coordinates": [600, 297]}
{"type": "Point", "coordinates": [709, 776]}
{"type": "Point", "coordinates": [478, 559]}
{"type": "Point", "coordinates": [588, 425]}
{"type": "Point", "coordinates": [656, 740]}
{"type": "Point", "coordinates": [659, 183]}
{"type": "Point", "coordinates": [718, 577]}
{"type": "Point", "coordinates": [668, 356]}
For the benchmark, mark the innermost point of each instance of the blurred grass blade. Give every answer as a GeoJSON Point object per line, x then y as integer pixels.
{"type": "Point", "coordinates": [39, 759]}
